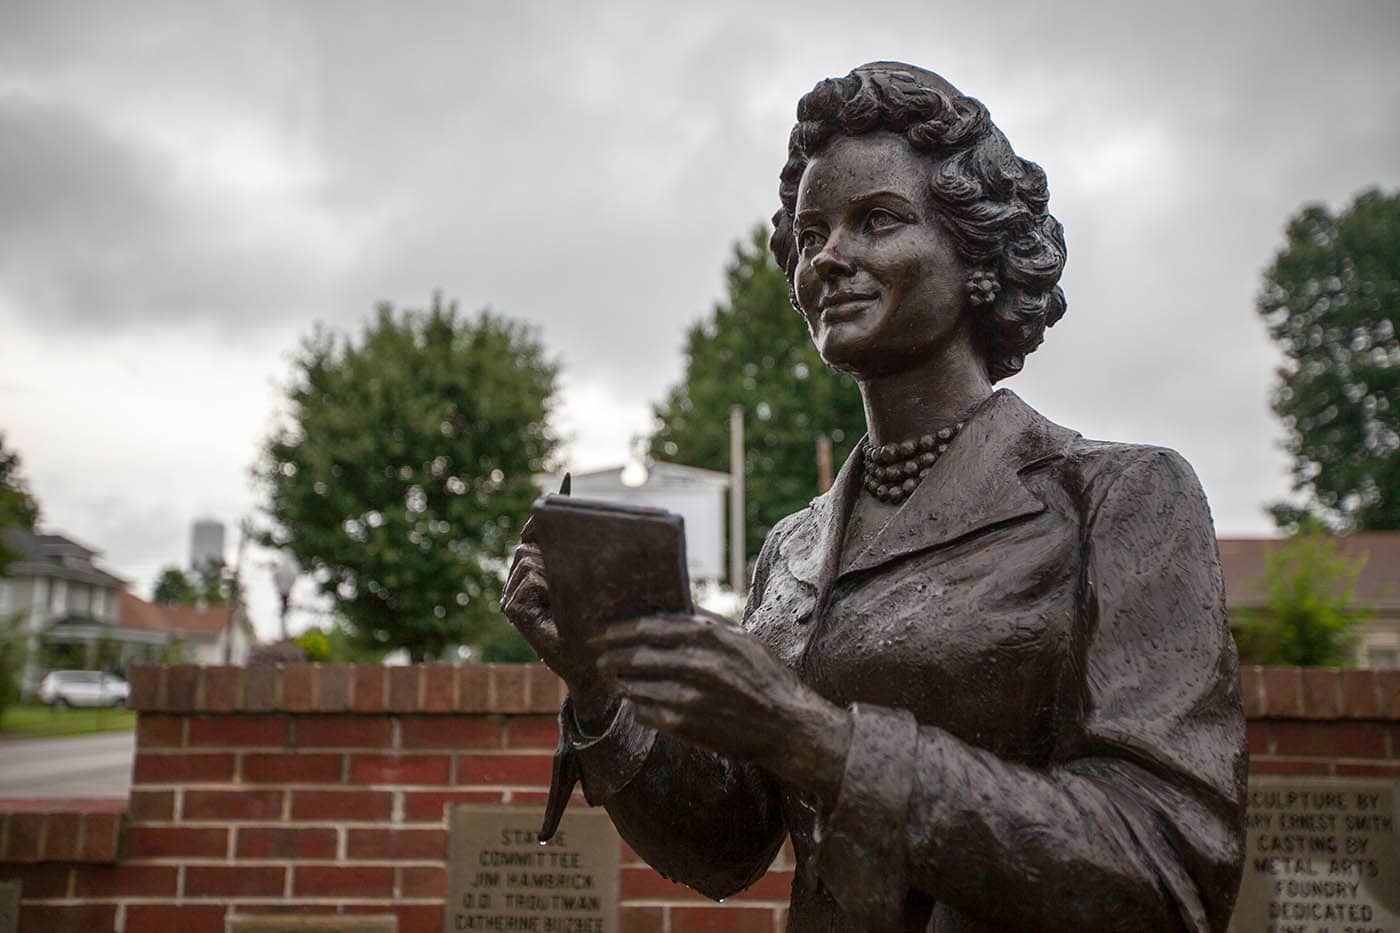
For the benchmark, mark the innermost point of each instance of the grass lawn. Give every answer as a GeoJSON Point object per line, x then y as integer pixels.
{"type": "Point", "coordinates": [28, 721]}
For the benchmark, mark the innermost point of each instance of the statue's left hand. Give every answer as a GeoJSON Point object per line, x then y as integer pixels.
{"type": "Point", "coordinates": [714, 684]}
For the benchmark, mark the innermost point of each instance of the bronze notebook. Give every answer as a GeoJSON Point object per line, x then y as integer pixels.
{"type": "Point", "coordinates": [605, 562]}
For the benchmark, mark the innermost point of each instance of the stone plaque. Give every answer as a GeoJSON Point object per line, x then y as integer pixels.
{"type": "Point", "coordinates": [1322, 856]}
{"type": "Point", "coordinates": [500, 878]}
{"type": "Point", "coordinates": [322, 923]}
{"type": "Point", "coordinates": [9, 906]}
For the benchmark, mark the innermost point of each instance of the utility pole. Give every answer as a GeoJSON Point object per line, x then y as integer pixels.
{"type": "Point", "coordinates": [737, 563]}
{"type": "Point", "coordinates": [824, 472]}
{"type": "Point", "coordinates": [237, 618]}
{"type": "Point", "coordinates": [285, 576]}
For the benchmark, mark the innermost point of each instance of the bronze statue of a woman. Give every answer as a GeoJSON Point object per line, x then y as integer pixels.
{"type": "Point", "coordinates": [985, 682]}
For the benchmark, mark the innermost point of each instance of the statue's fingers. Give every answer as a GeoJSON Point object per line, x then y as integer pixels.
{"type": "Point", "coordinates": [668, 631]}
{"type": "Point", "coordinates": [525, 578]}
{"type": "Point", "coordinates": [543, 636]}
{"type": "Point", "coordinates": [660, 692]}
{"type": "Point", "coordinates": [517, 575]}
{"type": "Point", "coordinates": [510, 597]}
{"type": "Point", "coordinates": [525, 557]}
{"type": "Point", "coordinates": [526, 550]}
{"type": "Point", "coordinates": [649, 661]}
{"type": "Point", "coordinates": [655, 716]}
{"type": "Point", "coordinates": [536, 627]}
{"type": "Point", "coordinates": [530, 617]}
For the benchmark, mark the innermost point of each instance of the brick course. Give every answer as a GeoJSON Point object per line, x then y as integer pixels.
{"type": "Point", "coordinates": [101, 839]}
{"type": "Point", "coordinates": [323, 788]}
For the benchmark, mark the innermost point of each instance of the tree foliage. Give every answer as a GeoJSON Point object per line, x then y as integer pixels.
{"type": "Point", "coordinates": [17, 506]}
{"type": "Point", "coordinates": [404, 472]}
{"type": "Point", "coordinates": [754, 351]}
{"type": "Point", "coordinates": [175, 588]}
{"type": "Point", "coordinates": [1332, 301]}
{"type": "Point", "coordinates": [1310, 616]}
{"type": "Point", "coordinates": [14, 652]}
{"type": "Point", "coordinates": [210, 585]}
{"type": "Point", "coordinates": [335, 643]}
{"type": "Point", "coordinates": [316, 643]}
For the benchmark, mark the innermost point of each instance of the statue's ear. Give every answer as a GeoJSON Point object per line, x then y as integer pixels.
{"type": "Point", "coordinates": [780, 244]}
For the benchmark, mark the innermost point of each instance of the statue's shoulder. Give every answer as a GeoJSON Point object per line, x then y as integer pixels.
{"type": "Point", "coordinates": [1086, 464]}
{"type": "Point", "coordinates": [1145, 472]}
{"type": "Point", "coordinates": [786, 527]}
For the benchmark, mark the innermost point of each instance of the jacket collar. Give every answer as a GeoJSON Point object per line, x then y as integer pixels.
{"type": "Point", "coordinates": [976, 484]}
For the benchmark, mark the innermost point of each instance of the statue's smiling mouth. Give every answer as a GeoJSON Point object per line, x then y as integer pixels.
{"type": "Point", "coordinates": [844, 305]}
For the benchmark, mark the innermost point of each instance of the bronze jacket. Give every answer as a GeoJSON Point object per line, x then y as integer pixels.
{"type": "Point", "coordinates": [1047, 725]}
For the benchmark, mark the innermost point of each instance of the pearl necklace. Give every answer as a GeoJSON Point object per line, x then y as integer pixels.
{"type": "Point", "coordinates": [893, 471]}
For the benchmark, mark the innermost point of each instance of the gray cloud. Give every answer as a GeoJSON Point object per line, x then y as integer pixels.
{"type": "Point", "coordinates": [104, 233]}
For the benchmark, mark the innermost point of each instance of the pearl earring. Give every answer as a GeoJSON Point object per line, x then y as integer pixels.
{"type": "Point", "coordinates": [982, 287]}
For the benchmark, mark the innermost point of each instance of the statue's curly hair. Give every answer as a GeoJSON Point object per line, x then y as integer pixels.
{"type": "Point", "coordinates": [993, 202]}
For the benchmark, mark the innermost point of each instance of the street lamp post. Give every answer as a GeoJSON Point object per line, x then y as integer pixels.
{"type": "Point", "coordinates": [285, 576]}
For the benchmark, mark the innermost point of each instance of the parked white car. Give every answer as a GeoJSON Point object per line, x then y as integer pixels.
{"type": "Point", "coordinates": [83, 688]}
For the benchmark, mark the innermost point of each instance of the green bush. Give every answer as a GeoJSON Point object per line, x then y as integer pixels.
{"type": "Point", "coordinates": [1310, 617]}
{"type": "Point", "coordinates": [14, 652]}
{"type": "Point", "coordinates": [315, 643]}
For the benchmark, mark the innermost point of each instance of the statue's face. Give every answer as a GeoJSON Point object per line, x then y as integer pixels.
{"type": "Point", "coordinates": [878, 278]}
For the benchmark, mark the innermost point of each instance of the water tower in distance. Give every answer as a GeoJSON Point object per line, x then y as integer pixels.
{"type": "Point", "coordinates": [206, 542]}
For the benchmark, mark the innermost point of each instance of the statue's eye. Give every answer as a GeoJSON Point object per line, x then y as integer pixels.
{"type": "Point", "coordinates": [810, 239]}
{"type": "Point", "coordinates": [880, 219]}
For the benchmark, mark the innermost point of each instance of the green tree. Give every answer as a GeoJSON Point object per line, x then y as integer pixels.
{"type": "Point", "coordinates": [210, 585]}
{"type": "Point", "coordinates": [754, 351]}
{"type": "Point", "coordinates": [1310, 616]}
{"type": "Point", "coordinates": [175, 651]}
{"type": "Point", "coordinates": [14, 651]}
{"type": "Point", "coordinates": [175, 588]}
{"type": "Point", "coordinates": [17, 506]}
{"type": "Point", "coordinates": [503, 645]}
{"type": "Point", "coordinates": [335, 643]}
{"type": "Point", "coordinates": [344, 648]}
{"type": "Point", "coordinates": [403, 473]}
{"type": "Point", "coordinates": [1331, 300]}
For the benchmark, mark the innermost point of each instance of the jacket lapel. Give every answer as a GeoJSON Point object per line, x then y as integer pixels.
{"type": "Point", "coordinates": [812, 550]}
{"type": "Point", "coordinates": [975, 485]}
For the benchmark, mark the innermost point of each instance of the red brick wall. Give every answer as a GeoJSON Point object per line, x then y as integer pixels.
{"type": "Point", "coordinates": [1322, 721]}
{"type": "Point", "coordinates": [322, 789]}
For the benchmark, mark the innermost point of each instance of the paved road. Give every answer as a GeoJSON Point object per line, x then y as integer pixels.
{"type": "Point", "coordinates": [81, 766]}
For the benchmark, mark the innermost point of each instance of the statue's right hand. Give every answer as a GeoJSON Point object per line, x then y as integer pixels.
{"type": "Point", "coordinates": [525, 602]}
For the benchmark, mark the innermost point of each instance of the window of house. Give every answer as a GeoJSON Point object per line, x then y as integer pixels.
{"type": "Point", "coordinates": [40, 597]}
{"type": "Point", "coordinates": [1384, 658]}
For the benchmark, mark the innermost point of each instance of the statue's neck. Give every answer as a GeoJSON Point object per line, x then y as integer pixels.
{"type": "Point", "coordinates": [922, 399]}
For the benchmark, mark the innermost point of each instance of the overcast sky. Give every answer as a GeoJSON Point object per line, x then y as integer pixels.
{"type": "Point", "coordinates": [186, 188]}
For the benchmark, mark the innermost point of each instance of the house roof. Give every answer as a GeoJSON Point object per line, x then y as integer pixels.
{"type": "Point", "coordinates": [185, 621]}
{"type": "Point", "coordinates": [54, 555]}
{"type": "Point", "coordinates": [1244, 560]}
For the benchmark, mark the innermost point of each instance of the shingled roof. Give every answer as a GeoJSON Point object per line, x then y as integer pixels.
{"type": "Point", "coordinates": [1243, 562]}
{"type": "Point", "coordinates": [205, 622]}
{"type": "Point", "coordinates": [53, 555]}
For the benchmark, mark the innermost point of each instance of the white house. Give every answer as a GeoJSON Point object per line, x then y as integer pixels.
{"type": "Point", "coordinates": [696, 495]}
{"type": "Point", "coordinates": [205, 634]}
{"type": "Point", "coordinates": [75, 613]}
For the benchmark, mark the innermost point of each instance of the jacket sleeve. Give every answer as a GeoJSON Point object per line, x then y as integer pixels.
{"type": "Point", "coordinates": [702, 819]}
{"type": "Point", "coordinates": [1138, 821]}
